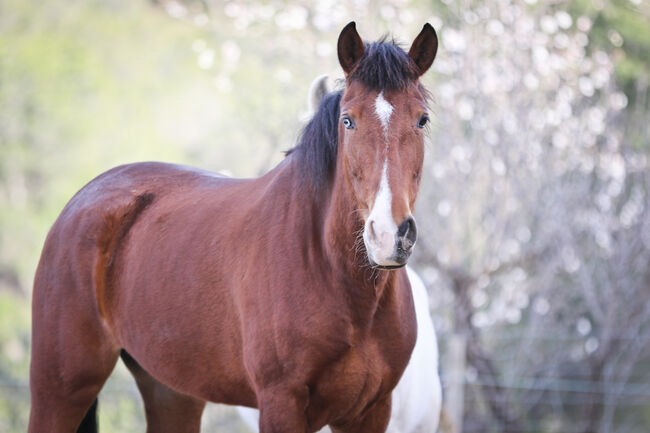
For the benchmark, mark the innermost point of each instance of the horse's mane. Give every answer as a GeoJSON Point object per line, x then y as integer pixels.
{"type": "Point", "coordinates": [383, 66]}
{"type": "Point", "coordinates": [316, 148]}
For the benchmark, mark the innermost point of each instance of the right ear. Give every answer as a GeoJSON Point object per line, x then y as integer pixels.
{"type": "Point", "coordinates": [350, 47]}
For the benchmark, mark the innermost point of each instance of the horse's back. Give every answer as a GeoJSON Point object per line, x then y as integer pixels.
{"type": "Point", "coordinates": [121, 185]}
{"type": "Point", "coordinates": [103, 211]}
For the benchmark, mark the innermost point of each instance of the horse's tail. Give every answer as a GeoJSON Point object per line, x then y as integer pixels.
{"type": "Point", "coordinates": [89, 423]}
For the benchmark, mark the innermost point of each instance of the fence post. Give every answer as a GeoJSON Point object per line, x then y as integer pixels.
{"type": "Point", "coordinates": [455, 366]}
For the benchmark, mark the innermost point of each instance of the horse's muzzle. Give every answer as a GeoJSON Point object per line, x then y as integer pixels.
{"type": "Point", "coordinates": [403, 243]}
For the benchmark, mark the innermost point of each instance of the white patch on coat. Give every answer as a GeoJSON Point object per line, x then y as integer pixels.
{"type": "Point", "coordinates": [417, 399]}
{"type": "Point", "coordinates": [384, 110]}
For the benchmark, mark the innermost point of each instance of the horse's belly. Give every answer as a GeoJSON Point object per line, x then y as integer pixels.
{"type": "Point", "coordinates": [186, 338]}
{"type": "Point", "coordinates": [203, 374]}
{"type": "Point", "coordinates": [172, 308]}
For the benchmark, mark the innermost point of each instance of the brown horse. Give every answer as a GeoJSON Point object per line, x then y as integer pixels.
{"type": "Point", "coordinates": [276, 292]}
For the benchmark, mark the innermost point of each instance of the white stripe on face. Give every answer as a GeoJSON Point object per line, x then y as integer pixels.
{"type": "Point", "coordinates": [384, 110]}
{"type": "Point", "coordinates": [380, 229]}
{"type": "Point", "coordinates": [381, 223]}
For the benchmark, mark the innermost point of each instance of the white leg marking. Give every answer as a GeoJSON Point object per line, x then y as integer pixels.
{"type": "Point", "coordinates": [384, 110]}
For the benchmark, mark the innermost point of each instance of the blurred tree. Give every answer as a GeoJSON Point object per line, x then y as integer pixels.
{"type": "Point", "coordinates": [537, 221]}
{"type": "Point", "coordinates": [534, 216]}
{"type": "Point", "coordinates": [621, 27]}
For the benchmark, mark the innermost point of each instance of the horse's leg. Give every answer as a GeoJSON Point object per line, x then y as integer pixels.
{"type": "Point", "coordinates": [166, 410]}
{"type": "Point", "coordinates": [283, 410]}
{"type": "Point", "coordinates": [374, 420]}
{"type": "Point", "coordinates": [71, 360]}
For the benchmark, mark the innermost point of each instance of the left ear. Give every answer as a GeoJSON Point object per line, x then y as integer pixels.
{"type": "Point", "coordinates": [424, 48]}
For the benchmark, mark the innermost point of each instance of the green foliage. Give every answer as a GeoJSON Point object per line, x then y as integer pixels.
{"type": "Point", "coordinates": [14, 362]}
{"type": "Point", "coordinates": [79, 91]}
{"type": "Point", "coordinates": [629, 21]}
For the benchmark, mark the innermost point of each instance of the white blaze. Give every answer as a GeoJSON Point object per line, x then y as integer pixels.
{"type": "Point", "coordinates": [384, 110]}
{"type": "Point", "coordinates": [380, 222]}
{"type": "Point", "coordinates": [381, 243]}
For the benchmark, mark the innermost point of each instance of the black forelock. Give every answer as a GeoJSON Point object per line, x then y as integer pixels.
{"type": "Point", "coordinates": [384, 66]}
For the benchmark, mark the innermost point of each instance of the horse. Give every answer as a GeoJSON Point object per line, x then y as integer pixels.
{"type": "Point", "coordinates": [285, 292]}
{"type": "Point", "coordinates": [417, 398]}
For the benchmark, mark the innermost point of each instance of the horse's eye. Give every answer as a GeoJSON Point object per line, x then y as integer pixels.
{"type": "Point", "coordinates": [423, 121]}
{"type": "Point", "coordinates": [349, 123]}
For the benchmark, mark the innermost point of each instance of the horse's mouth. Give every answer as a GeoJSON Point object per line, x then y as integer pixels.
{"type": "Point", "coordinates": [385, 267]}
{"type": "Point", "coordinates": [389, 267]}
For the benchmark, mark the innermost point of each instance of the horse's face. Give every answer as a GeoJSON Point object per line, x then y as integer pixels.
{"type": "Point", "coordinates": [383, 149]}
{"type": "Point", "coordinates": [381, 140]}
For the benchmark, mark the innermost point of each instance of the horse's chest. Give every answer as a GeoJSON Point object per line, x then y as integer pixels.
{"type": "Point", "coordinates": [358, 378]}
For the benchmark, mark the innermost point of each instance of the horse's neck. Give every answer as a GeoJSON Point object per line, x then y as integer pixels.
{"type": "Point", "coordinates": [343, 228]}
{"type": "Point", "coordinates": [329, 226]}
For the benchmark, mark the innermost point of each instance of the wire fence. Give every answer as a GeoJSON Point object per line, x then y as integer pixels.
{"type": "Point", "coordinates": [551, 392]}
{"type": "Point", "coordinates": [635, 395]}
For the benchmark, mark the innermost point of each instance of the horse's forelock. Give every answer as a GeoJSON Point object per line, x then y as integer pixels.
{"type": "Point", "coordinates": [384, 66]}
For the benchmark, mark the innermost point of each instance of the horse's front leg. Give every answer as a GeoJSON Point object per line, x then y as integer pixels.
{"type": "Point", "coordinates": [282, 409]}
{"type": "Point", "coordinates": [374, 420]}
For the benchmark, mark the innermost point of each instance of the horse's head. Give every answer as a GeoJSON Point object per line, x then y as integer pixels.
{"type": "Point", "coordinates": [381, 137]}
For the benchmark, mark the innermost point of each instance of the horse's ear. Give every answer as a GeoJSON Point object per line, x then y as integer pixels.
{"type": "Point", "coordinates": [317, 91]}
{"type": "Point", "coordinates": [350, 47]}
{"type": "Point", "coordinates": [424, 48]}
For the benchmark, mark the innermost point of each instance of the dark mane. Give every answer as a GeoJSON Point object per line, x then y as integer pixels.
{"type": "Point", "coordinates": [385, 66]}
{"type": "Point", "coordinates": [317, 145]}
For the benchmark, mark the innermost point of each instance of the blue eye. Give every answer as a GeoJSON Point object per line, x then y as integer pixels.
{"type": "Point", "coordinates": [348, 123]}
{"type": "Point", "coordinates": [423, 121]}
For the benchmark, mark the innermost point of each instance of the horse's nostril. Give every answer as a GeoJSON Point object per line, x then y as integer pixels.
{"type": "Point", "coordinates": [403, 228]}
{"type": "Point", "coordinates": [407, 233]}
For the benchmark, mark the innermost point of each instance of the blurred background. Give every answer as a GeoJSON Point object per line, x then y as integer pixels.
{"type": "Point", "coordinates": [534, 212]}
